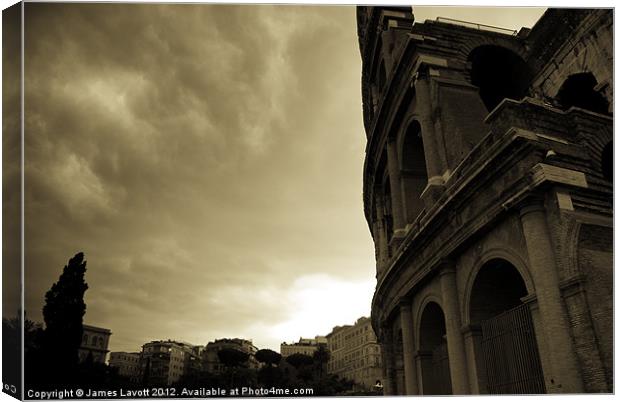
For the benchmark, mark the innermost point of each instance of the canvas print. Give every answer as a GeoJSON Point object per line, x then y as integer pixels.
{"type": "Point", "coordinates": [226, 200]}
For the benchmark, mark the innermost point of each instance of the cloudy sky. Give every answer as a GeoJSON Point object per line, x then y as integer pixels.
{"type": "Point", "coordinates": [207, 160]}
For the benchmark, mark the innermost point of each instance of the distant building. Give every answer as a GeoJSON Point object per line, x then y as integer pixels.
{"type": "Point", "coordinates": [210, 358]}
{"type": "Point", "coordinates": [165, 362]}
{"type": "Point", "coordinates": [355, 354]}
{"type": "Point", "coordinates": [127, 363]}
{"type": "Point", "coordinates": [95, 342]}
{"type": "Point", "coordinates": [305, 346]}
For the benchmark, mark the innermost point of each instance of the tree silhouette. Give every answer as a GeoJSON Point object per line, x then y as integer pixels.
{"type": "Point", "coordinates": [63, 312]}
{"type": "Point", "coordinates": [269, 375]}
{"type": "Point", "coordinates": [268, 357]}
{"type": "Point", "coordinates": [321, 356]}
{"type": "Point", "coordinates": [11, 346]}
{"type": "Point", "coordinates": [232, 358]}
{"type": "Point", "coordinates": [298, 360]}
{"type": "Point", "coordinates": [33, 353]}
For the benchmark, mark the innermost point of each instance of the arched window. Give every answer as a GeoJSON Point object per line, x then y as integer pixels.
{"type": "Point", "coordinates": [578, 90]}
{"type": "Point", "coordinates": [85, 339]}
{"type": "Point", "coordinates": [434, 359]}
{"type": "Point", "coordinates": [94, 341]}
{"type": "Point", "coordinates": [607, 161]}
{"type": "Point", "coordinates": [498, 73]}
{"type": "Point", "coordinates": [413, 159]}
{"type": "Point", "coordinates": [413, 168]}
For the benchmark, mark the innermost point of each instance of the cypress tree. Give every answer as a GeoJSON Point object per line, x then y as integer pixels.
{"type": "Point", "coordinates": [63, 313]}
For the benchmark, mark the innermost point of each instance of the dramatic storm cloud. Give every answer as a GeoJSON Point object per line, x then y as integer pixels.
{"type": "Point", "coordinates": [207, 159]}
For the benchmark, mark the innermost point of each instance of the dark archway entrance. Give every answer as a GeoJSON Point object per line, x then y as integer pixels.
{"type": "Point", "coordinates": [433, 354]}
{"type": "Point", "coordinates": [507, 352]}
{"type": "Point", "coordinates": [499, 73]}
{"type": "Point", "coordinates": [579, 90]}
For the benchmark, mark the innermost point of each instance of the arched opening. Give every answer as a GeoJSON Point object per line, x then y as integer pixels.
{"type": "Point", "coordinates": [579, 90]}
{"type": "Point", "coordinates": [498, 73]}
{"type": "Point", "coordinates": [506, 352]}
{"type": "Point", "coordinates": [607, 161]}
{"type": "Point", "coordinates": [433, 353]}
{"type": "Point", "coordinates": [413, 168]}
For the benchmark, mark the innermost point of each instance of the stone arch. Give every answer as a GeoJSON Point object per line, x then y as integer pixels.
{"type": "Point", "coordinates": [402, 116]}
{"type": "Point", "coordinates": [432, 356]}
{"type": "Point", "coordinates": [502, 338]}
{"type": "Point", "coordinates": [413, 169]}
{"type": "Point", "coordinates": [579, 90]}
{"type": "Point", "coordinates": [430, 297]}
{"type": "Point", "coordinates": [589, 52]}
{"type": "Point", "coordinates": [499, 73]}
{"type": "Point", "coordinates": [496, 253]}
{"type": "Point", "coordinates": [413, 117]}
{"type": "Point", "coordinates": [502, 295]}
{"type": "Point", "coordinates": [508, 43]}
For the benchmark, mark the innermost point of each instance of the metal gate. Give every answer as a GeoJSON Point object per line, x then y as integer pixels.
{"type": "Point", "coordinates": [511, 353]}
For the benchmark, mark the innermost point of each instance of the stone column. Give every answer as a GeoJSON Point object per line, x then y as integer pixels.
{"type": "Point", "coordinates": [387, 347]}
{"type": "Point", "coordinates": [406, 322]}
{"type": "Point", "coordinates": [472, 337]}
{"type": "Point", "coordinates": [435, 165]}
{"type": "Point", "coordinates": [456, 345]}
{"type": "Point", "coordinates": [566, 377]}
{"type": "Point", "coordinates": [381, 239]}
{"type": "Point", "coordinates": [398, 215]}
{"type": "Point", "coordinates": [424, 365]}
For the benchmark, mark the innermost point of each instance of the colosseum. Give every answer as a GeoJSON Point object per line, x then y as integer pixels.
{"type": "Point", "coordinates": [488, 190]}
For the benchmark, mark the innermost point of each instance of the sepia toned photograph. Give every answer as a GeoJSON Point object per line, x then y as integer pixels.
{"type": "Point", "coordinates": [260, 200]}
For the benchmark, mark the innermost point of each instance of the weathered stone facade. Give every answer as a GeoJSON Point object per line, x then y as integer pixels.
{"type": "Point", "coordinates": [488, 190]}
